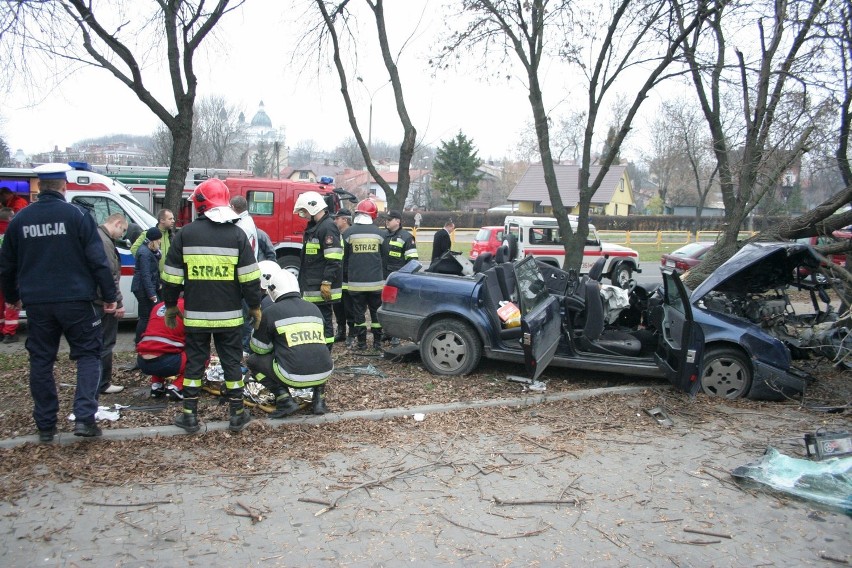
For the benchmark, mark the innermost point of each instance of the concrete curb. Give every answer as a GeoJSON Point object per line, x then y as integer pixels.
{"type": "Point", "coordinates": [68, 438]}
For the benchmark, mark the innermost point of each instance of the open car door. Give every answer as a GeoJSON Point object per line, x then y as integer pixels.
{"type": "Point", "coordinates": [680, 343]}
{"type": "Point", "coordinates": [541, 322]}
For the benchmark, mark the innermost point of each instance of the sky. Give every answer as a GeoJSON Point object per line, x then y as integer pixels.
{"type": "Point", "coordinates": [249, 61]}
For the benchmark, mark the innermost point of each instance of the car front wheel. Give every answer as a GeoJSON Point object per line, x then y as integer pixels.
{"type": "Point", "coordinates": [450, 347]}
{"type": "Point", "coordinates": [726, 373]}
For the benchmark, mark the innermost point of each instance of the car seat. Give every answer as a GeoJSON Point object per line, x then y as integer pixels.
{"type": "Point", "coordinates": [594, 337]}
{"type": "Point", "coordinates": [483, 262]}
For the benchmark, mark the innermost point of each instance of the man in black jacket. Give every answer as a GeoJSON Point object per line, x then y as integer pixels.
{"type": "Point", "coordinates": [443, 241]}
{"type": "Point", "coordinates": [46, 239]}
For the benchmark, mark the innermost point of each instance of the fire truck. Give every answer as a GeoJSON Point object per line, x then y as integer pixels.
{"type": "Point", "coordinates": [270, 201]}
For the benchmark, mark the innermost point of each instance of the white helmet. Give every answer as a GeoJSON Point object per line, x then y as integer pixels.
{"type": "Point", "coordinates": [310, 201]}
{"type": "Point", "coordinates": [268, 269]}
{"type": "Point", "coordinates": [282, 282]}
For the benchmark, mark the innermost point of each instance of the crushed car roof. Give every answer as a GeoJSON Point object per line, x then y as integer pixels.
{"type": "Point", "coordinates": [758, 267]}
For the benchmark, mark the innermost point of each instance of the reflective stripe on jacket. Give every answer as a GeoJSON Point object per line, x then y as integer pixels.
{"type": "Point", "coordinates": [214, 266]}
{"type": "Point", "coordinates": [292, 330]}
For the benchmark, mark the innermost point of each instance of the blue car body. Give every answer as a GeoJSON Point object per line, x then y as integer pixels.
{"type": "Point", "coordinates": [740, 356]}
{"type": "Point", "coordinates": [454, 319]}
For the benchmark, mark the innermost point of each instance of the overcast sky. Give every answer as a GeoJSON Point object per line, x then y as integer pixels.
{"type": "Point", "coordinates": [249, 61]}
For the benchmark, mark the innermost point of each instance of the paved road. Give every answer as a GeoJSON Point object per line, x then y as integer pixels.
{"type": "Point", "coordinates": [441, 497]}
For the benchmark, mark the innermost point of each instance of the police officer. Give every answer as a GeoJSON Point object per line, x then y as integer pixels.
{"type": "Point", "coordinates": [362, 249]}
{"type": "Point", "coordinates": [398, 247]}
{"type": "Point", "coordinates": [212, 263]}
{"type": "Point", "coordinates": [288, 349]}
{"type": "Point", "coordinates": [47, 238]}
{"type": "Point", "coordinates": [320, 274]}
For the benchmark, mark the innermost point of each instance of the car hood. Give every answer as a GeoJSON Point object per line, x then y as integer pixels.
{"type": "Point", "coordinates": [758, 267]}
{"type": "Point", "coordinates": [607, 247]}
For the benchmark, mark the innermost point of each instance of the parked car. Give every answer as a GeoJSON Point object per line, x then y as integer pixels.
{"type": "Point", "coordinates": [686, 257]}
{"type": "Point", "coordinates": [488, 239]}
{"type": "Point", "coordinates": [735, 336]}
{"type": "Point", "coordinates": [454, 319]}
{"type": "Point", "coordinates": [822, 240]}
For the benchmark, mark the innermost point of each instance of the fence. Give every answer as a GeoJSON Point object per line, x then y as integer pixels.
{"type": "Point", "coordinates": [658, 239]}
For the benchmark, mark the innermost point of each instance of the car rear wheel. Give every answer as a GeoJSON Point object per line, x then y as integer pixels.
{"type": "Point", "coordinates": [726, 373]}
{"type": "Point", "coordinates": [621, 275]}
{"type": "Point", "coordinates": [450, 347]}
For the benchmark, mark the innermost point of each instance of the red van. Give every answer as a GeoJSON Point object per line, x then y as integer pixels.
{"type": "Point", "coordinates": [488, 239]}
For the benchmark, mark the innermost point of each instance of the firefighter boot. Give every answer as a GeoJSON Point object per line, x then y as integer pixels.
{"type": "Point", "coordinates": [188, 419]}
{"type": "Point", "coordinates": [362, 341]}
{"type": "Point", "coordinates": [284, 406]}
{"type": "Point", "coordinates": [318, 403]}
{"type": "Point", "coordinates": [377, 339]}
{"type": "Point", "coordinates": [240, 415]}
{"type": "Point", "coordinates": [341, 333]}
{"type": "Point", "coordinates": [350, 338]}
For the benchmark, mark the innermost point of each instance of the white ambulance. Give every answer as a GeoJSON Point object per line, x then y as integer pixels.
{"type": "Point", "coordinates": [539, 237]}
{"type": "Point", "coordinates": [101, 196]}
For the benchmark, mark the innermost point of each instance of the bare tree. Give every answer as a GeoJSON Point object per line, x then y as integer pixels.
{"type": "Point", "coordinates": [118, 39]}
{"type": "Point", "coordinates": [303, 153]}
{"type": "Point", "coordinates": [336, 21]}
{"type": "Point", "coordinates": [781, 96]}
{"type": "Point", "coordinates": [602, 44]}
{"type": "Point", "coordinates": [218, 133]}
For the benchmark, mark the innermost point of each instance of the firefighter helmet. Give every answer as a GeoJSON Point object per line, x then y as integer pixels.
{"type": "Point", "coordinates": [282, 282]}
{"type": "Point", "coordinates": [268, 269]}
{"type": "Point", "coordinates": [310, 201]}
{"type": "Point", "coordinates": [367, 207]}
{"type": "Point", "coordinates": [210, 194]}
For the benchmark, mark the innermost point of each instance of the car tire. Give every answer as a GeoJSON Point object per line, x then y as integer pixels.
{"type": "Point", "coordinates": [291, 264]}
{"type": "Point", "coordinates": [450, 347]}
{"type": "Point", "coordinates": [725, 373]}
{"type": "Point", "coordinates": [621, 274]}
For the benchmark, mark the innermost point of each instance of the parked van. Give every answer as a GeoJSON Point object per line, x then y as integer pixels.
{"type": "Point", "coordinates": [101, 196]}
{"type": "Point", "coordinates": [539, 237]}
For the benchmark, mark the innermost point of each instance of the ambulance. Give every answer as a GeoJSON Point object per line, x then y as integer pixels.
{"type": "Point", "coordinates": [101, 196]}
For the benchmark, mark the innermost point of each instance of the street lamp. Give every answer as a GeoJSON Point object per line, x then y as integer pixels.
{"type": "Point", "coordinates": [370, 128]}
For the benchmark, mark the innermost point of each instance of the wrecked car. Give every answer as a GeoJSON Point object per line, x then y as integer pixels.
{"type": "Point", "coordinates": [562, 320]}
{"type": "Point", "coordinates": [751, 294]}
{"type": "Point", "coordinates": [749, 328]}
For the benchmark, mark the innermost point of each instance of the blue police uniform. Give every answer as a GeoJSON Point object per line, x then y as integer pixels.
{"type": "Point", "coordinates": [53, 260]}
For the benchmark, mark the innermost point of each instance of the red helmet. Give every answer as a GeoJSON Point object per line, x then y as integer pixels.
{"type": "Point", "coordinates": [209, 194]}
{"type": "Point", "coordinates": [368, 207]}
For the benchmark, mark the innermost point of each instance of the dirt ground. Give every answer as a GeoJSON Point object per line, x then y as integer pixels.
{"type": "Point", "coordinates": [386, 384]}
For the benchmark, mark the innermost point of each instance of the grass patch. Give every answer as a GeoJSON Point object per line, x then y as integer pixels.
{"type": "Point", "coordinates": [648, 252]}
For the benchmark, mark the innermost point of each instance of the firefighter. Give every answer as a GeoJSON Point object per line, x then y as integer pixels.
{"type": "Point", "coordinates": [211, 262]}
{"type": "Point", "coordinates": [320, 273]}
{"type": "Point", "coordinates": [363, 251]}
{"type": "Point", "coordinates": [343, 309]}
{"type": "Point", "coordinates": [48, 241]}
{"type": "Point", "coordinates": [398, 249]}
{"type": "Point", "coordinates": [288, 349]}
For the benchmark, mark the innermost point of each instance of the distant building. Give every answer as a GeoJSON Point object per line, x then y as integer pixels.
{"type": "Point", "coordinates": [613, 197]}
{"type": "Point", "coordinates": [260, 130]}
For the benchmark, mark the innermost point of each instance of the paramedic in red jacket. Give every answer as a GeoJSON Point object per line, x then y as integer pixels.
{"type": "Point", "coordinates": [161, 352]}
